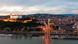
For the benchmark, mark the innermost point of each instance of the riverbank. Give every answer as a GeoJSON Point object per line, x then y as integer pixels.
{"type": "Point", "coordinates": [39, 34]}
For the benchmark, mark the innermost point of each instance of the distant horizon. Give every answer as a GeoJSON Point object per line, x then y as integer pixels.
{"type": "Point", "coordinates": [41, 14]}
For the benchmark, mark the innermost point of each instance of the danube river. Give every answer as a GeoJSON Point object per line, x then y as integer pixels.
{"type": "Point", "coordinates": [23, 39]}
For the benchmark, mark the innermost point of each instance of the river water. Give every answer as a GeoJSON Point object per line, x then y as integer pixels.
{"type": "Point", "coordinates": [19, 39]}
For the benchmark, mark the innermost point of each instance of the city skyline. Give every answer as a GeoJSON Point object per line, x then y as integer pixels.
{"type": "Point", "coordinates": [39, 6]}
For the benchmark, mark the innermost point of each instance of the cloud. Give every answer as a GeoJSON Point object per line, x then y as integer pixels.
{"type": "Point", "coordinates": [36, 2]}
{"type": "Point", "coordinates": [75, 11]}
{"type": "Point", "coordinates": [20, 10]}
{"type": "Point", "coordinates": [32, 9]}
{"type": "Point", "coordinates": [23, 2]}
{"type": "Point", "coordinates": [46, 9]}
{"type": "Point", "coordinates": [38, 6]}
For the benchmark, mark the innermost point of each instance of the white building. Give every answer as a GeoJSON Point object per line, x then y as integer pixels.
{"type": "Point", "coordinates": [15, 16]}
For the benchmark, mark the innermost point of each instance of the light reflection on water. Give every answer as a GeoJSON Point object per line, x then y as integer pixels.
{"type": "Point", "coordinates": [28, 39]}
{"type": "Point", "coordinates": [16, 36]}
{"type": "Point", "coordinates": [19, 39]}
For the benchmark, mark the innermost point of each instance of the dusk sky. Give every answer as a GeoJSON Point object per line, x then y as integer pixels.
{"type": "Point", "coordinates": [39, 6]}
